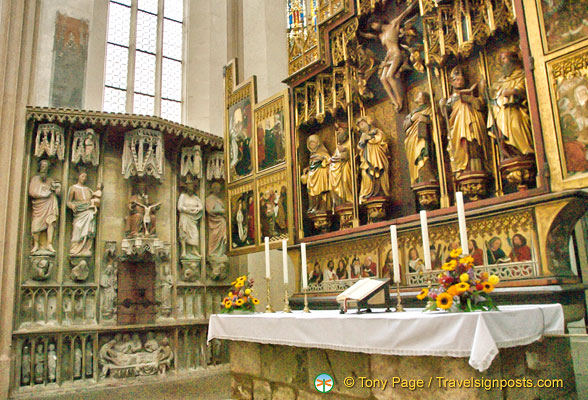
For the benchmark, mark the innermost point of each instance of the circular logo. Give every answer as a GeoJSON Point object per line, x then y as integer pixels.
{"type": "Point", "coordinates": [323, 383]}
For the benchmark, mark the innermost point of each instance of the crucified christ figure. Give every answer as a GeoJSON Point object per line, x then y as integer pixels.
{"type": "Point", "coordinates": [389, 33]}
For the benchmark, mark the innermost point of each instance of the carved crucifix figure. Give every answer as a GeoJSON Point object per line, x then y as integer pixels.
{"type": "Point", "coordinates": [389, 33]}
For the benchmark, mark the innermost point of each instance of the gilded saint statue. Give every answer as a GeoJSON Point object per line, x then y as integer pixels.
{"type": "Point", "coordinates": [466, 125]}
{"type": "Point", "coordinates": [190, 208]}
{"type": "Point", "coordinates": [374, 164]}
{"type": "Point", "coordinates": [141, 218]}
{"type": "Point", "coordinates": [419, 142]}
{"type": "Point", "coordinates": [341, 176]}
{"type": "Point", "coordinates": [508, 120]}
{"type": "Point", "coordinates": [84, 203]}
{"type": "Point", "coordinates": [43, 190]}
{"type": "Point", "coordinates": [389, 32]}
{"type": "Point", "coordinates": [316, 175]}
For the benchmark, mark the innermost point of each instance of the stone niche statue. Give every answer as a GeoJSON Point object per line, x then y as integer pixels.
{"type": "Point", "coordinates": [316, 175]}
{"type": "Point", "coordinates": [124, 356]}
{"type": "Point", "coordinates": [374, 164]}
{"type": "Point", "coordinates": [25, 372]}
{"type": "Point", "coordinates": [85, 147]}
{"type": "Point", "coordinates": [84, 202]}
{"type": "Point", "coordinates": [216, 220]}
{"type": "Point", "coordinates": [191, 162]}
{"type": "Point", "coordinates": [109, 282]}
{"type": "Point", "coordinates": [165, 284]}
{"type": "Point", "coordinates": [466, 125]}
{"type": "Point", "coordinates": [43, 191]}
{"type": "Point", "coordinates": [341, 176]}
{"type": "Point", "coordinates": [141, 219]}
{"type": "Point", "coordinates": [190, 209]}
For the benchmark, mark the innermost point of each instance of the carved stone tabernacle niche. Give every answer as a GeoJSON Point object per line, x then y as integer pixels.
{"type": "Point", "coordinates": [143, 154]}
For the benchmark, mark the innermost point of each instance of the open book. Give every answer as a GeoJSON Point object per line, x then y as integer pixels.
{"type": "Point", "coordinates": [365, 293]}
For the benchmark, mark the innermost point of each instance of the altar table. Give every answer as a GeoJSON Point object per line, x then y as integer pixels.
{"type": "Point", "coordinates": [285, 352]}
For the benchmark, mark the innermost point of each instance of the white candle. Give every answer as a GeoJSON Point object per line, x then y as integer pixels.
{"type": "Point", "coordinates": [285, 259]}
{"type": "Point", "coordinates": [267, 258]}
{"type": "Point", "coordinates": [426, 246]}
{"type": "Point", "coordinates": [394, 239]}
{"type": "Point", "coordinates": [304, 269]}
{"type": "Point", "coordinates": [463, 231]}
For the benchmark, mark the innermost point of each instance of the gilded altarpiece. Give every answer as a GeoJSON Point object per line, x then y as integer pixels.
{"type": "Point", "coordinates": [260, 204]}
{"type": "Point", "coordinates": [123, 249]}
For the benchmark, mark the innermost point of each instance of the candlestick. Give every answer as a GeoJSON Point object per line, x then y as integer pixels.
{"type": "Point", "coordinates": [304, 267]}
{"type": "Point", "coordinates": [285, 260]}
{"type": "Point", "coordinates": [306, 309]}
{"type": "Point", "coordinates": [268, 308]}
{"type": "Point", "coordinates": [426, 246]}
{"type": "Point", "coordinates": [396, 262]}
{"type": "Point", "coordinates": [287, 308]}
{"type": "Point", "coordinates": [399, 307]}
{"type": "Point", "coordinates": [463, 232]}
{"type": "Point", "coordinates": [267, 258]}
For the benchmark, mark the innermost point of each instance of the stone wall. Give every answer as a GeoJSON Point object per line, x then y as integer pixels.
{"type": "Point", "coordinates": [270, 372]}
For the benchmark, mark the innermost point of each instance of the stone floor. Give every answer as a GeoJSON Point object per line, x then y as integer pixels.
{"type": "Point", "coordinates": [215, 386]}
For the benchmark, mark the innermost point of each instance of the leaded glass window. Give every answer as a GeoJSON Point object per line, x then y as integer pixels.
{"type": "Point", "coordinates": [144, 58]}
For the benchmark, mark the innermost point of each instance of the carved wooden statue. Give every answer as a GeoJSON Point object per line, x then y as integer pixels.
{"type": "Point", "coordinates": [463, 111]}
{"type": "Point", "coordinates": [389, 34]}
{"type": "Point", "coordinates": [84, 203]}
{"type": "Point", "coordinates": [508, 119]}
{"type": "Point", "coordinates": [43, 190]}
{"type": "Point", "coordinates": [374, 164]}
{"type": "Point", "coordinates": [341, 176]}
{"type": "Point", "coordinates": [316, 175]}
{"type": "Point", "coordinates": [418, 144]}
{"type": "Point", "coordinates": [190, 208]}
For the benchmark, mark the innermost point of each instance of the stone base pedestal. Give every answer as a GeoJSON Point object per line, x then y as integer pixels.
{"type": "Point", "coordinates": [191, 269]}
{"type": "Point", "coordinates": [287, 373]}
{"type": "Point", "coordinates": [345, 214]}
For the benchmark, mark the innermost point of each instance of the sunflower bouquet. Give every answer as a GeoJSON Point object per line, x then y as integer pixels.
{"type": "Point", "coordinates": [240, 296]}
{"type": "Point", "coordinates": [459, 288]}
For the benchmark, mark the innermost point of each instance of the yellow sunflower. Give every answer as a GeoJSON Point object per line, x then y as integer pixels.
{"type": "Point", "coordinates": [247, 291]}
{"type": "Point", "coordinates": [449, 266]}
{"type": "Point", "coordinates": [444, 301]}
{"type": "Point", "coordinates": [487, 287]}
{"type": "Point", "coordinates": [455, 253]}
{"type": "Point", "coordinates": [254, 300]}
{"type": "Point", "coordinates": [493, 279]}
{"type": "Point", "coordinates": [452, 291]}
{"type": "Point", "coordinates": [424, 293]}
{"type": "Point", "coordinates": [462, 287]}
{"type": "Point", "coordinates": [464, 277]}
{"type": "Point", "coordinates": [233, 283]}
{"type": "Point", "coordinates": [230, 294]}
{"type": "Point", "coordinates": [238, 285]}
{"type": "Point", "coordinates": [242, 278]}
{"type": "Point", "coordinates": [228, 304]}
{"type": "Point", "coordinates": [469, 260]}
{"type": "Point", "coordinates": [239, 302]}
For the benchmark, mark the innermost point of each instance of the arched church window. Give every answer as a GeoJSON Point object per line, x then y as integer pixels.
{"type": "Point", "coordinates": [144, 70]}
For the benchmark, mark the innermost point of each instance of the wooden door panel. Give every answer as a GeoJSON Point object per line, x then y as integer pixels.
{"type": "Point", "coordinates": [136, 293]}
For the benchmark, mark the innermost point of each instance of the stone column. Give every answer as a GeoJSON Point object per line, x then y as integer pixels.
{"type": "Point", "coordinates": [17, 28]}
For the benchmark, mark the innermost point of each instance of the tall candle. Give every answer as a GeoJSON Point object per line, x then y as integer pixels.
{"type": "Point", "coordinates": [304, 269]}
{"type": "Point", "coordinates": [463, 231]}
{"type": "Point", "coordinates": [267, 258]}
{"type": "Point", "coordinates": [285, 259]}
{"type": "Point", "coordinates": [394, 239]}
{"type": "Point", "coordinates": [426, 246]}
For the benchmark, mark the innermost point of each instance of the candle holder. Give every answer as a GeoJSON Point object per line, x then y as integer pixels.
{"type": "Point", "coordinates": [399, 307]}
{"type": "Point", "coordinates": [306, 309]}
{"type": "Point", "coordinates": [286, 300]}
{"type": "Point", "coordinates": [268, 308]}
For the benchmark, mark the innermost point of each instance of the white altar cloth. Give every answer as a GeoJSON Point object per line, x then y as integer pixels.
{"type": "Point", "coordinates": [477, 335]}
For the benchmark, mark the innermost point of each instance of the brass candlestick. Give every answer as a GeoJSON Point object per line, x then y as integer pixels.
{"type": "Point", "coordinates": [286, 300]}
{"type": "Point", "coordinates": [268, 308]}
{"type": "Point", "coordinates": [399, 307]}
{"type": "Point", "coordinates": [306, 309]}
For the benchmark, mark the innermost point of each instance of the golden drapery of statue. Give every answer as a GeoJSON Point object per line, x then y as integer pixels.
{"type": "Point", "coordinates": [467, 146]}
{"type": "Point", "coordinates": [509, 113]}
{"type": "Point", "coordinates": [316, 175]}
{"type": "Point", "coordinates": [340, 167]}
{"type": "Point", "coordinates": [374, 164]}
{"type": "Point", "coordinates": [417, 125]}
